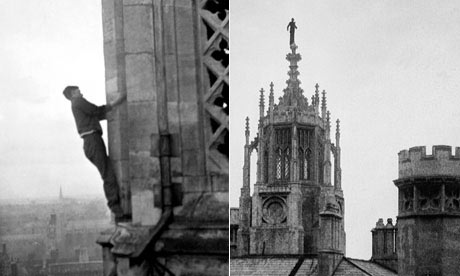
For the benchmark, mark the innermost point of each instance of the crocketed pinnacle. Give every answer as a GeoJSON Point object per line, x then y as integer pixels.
{"type": "Point", "coordinates": [247, 127]}
{"type": "Point", "coordinates": [293, 93]}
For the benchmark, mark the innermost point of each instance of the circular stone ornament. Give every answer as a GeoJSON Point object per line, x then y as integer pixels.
{"type": "Point", "coordinates": [274, 210]}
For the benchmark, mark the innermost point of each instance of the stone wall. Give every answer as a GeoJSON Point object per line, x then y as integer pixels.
{"type": "Point", "coordinates": [429, 211]}
{"type": "Point", "coordinates": [169, 141]}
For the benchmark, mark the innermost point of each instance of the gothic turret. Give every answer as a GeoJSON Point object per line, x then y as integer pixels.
{"type": "Point", "coordinates": [294, 190]}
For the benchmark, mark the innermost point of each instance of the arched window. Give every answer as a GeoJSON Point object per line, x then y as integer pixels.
{"type": "Point", "coordinates": [307, 164]}
{"type": "Point", "coordinates": [305, 156]}
{"type": "Point", "coordinates": [287, 165]}
{"type": "Point", "coordinates": [278, 163]}
{"type": "Point", "coordinates": [283, 153]}
{"type": "Point", "coordinates": [301, 164]}
{"type": "Point", "coordinates": [265, 164]}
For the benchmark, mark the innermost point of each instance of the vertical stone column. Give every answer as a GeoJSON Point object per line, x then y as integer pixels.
{"type": "Point", "coordinates": [329, 246]}
{"type": "Point", "coordinates": [114, 59]}
{"type": "Point", "coordinates": [169, 57]}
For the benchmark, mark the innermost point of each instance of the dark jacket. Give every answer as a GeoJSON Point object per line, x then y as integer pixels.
{"type": "Point", "coordinates": [87, 115]}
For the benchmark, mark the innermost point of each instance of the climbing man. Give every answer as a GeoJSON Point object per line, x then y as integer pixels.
{"type": "Point", "coordinates": [87, 117]}
{"type": "Point", "coordinates": [291, 27]}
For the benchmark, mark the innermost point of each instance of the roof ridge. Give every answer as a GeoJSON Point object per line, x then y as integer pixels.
{"type": "Point", "coordinates": [357, 266]}
{"type": "Point", "coordinates": [374, 263]}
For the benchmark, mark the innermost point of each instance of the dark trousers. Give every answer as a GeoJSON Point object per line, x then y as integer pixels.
{"type": "Point", "coordinates": [94, 148]}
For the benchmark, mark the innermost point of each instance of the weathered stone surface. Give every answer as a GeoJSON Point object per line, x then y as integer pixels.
{"type": "Point", "coordinates": [193, 162]}
{"type": "Point", "coordinates": [204, 208]}
{"type": "Point", "coordinates": [143, 166]}
{"type": "Point", "coordinates": [140, 81]}
{"type": "Point", "coordinates": [195, 184]}
{"type": "Point", "coordinates": [144, 212]}
{"type": "Point", "coordinates": [137, 2]}
{"type": "Point", "coordinates": [183, 265]}
{"type": "Point", "coordinates": [151, 51]}
{"type": "Point", "coordinates": [415, 162]}
{"type": "Point", "coordinates": [142, 125]}
{"type": "Point", "coordinates": [138, 27]}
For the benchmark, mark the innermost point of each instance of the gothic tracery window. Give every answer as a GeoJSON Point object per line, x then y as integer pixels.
{"type": "Point", "coordinates": [305, 162]}
{"type": "Point", "coordinates": [278, 164]}
{"type": "Point", "coordinates": [287, 158]}
{"type": "Point", "coordinates": [265, 170]}
{"type": "Point", "coordinates": [283, 153]}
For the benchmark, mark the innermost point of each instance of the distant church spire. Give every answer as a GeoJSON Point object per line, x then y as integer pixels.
{"type": "Point", "coordinates": [60, 193]}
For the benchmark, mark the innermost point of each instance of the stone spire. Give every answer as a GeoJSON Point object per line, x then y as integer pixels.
{"type": "Point", "coordinates": [247, 163]}
{"type": "Point", "coordinates": [323, 104]}
{"type": "Point", "coordinates": [337, 169]}
{"type": "Point", "coordinates": [293, 96]}
{"type": "Point", "coordinates": [261, 104]}
{"type": "Point", "coordinates": [246, 132]}
{"type": "Point", "coordinates": [271, 103]}
{"type": "Point", "coordinates": [317, 97]}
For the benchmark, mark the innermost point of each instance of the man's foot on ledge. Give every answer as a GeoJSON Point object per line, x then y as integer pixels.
{"type": "Point", "coordinates": [123, 218]}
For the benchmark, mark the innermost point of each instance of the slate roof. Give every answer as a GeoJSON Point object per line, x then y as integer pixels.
{"type": "Point", "coordinates": [291, 265]}
{"type": "Point", "coordinates": [273, 266]}
{"type": "Point", "coordinates": [354, 267]}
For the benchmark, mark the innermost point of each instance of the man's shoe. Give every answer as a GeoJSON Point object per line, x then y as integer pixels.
{"type": "Point", "coordinates": [122, 218]}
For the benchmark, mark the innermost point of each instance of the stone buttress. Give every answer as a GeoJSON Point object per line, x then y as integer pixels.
{"type": "Point", "coordinates": [169, 141]}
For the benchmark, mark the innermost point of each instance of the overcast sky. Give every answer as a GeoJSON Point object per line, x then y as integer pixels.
{"type": "Point", "coordinates": [391, 72]}
{"type": "Point", "coordinates": [44, 46]}
{"type": "Point", "coordinates": [390, 69]}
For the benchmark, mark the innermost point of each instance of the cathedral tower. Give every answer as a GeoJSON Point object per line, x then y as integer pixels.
{"type": "Point", "coordinates": [295, 208]}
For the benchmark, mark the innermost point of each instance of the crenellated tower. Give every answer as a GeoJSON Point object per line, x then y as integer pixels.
{"type": "Point", "coordinates": [295, 208]}
{"type": "Point", "coordinates": [429, 211]}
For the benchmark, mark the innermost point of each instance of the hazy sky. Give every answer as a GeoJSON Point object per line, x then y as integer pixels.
{"type": "Point", "coordinates": [391, 72]}
{"type": "Point", "coordinates": [390, 69]}
{"type": "Point", "coordinates": [44, 46]}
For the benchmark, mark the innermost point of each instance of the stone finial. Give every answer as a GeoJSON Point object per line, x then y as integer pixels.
{"type": "Point", "coordinates": [271, 96]}
{"type": "Point", "coordinates": [389, 223]}
{"type": "Point", "coordinates": [313, 100]}
{"type": "Point", "coordinates": [247, 126]}
{"type": "Point", "coordinates": [317, 87]}
{"type": "Point", "coordinates": [323, 105]}
{"type": "Point", "coordinates": [316, 97]}
{"type": "Point", "coordinates": [262, 100]}
{"type": "Point", "coordinates": [337, 134]}
{"type": "Point", "coordinates": [328, 119]}
{"type": "Point", "coordinates": [379, 223]}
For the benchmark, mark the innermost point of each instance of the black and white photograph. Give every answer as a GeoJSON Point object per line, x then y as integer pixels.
{"type": "Point", "coordinates": [344, 138]}
{"type": "Point", "coordinates": [115, 137]}
{"type": "Point", "coordinates": [121, 156]}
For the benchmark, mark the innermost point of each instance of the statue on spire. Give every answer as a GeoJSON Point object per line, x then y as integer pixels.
{"type": "Point", "coordinates": [291, 27]}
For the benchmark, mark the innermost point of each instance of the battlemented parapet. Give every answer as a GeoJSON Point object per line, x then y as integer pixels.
{"type": "Point", "coordinates": [429, 211]}
{"type": "Point", "coordinates": [415, 162]}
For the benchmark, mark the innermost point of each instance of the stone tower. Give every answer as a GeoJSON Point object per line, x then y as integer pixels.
{"type": "Point", "coordinates": [295, 208]}
{"type": "Point", "coordinates": [429, 211]}
{"type": "Point", "coordinates": [169, 141]}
